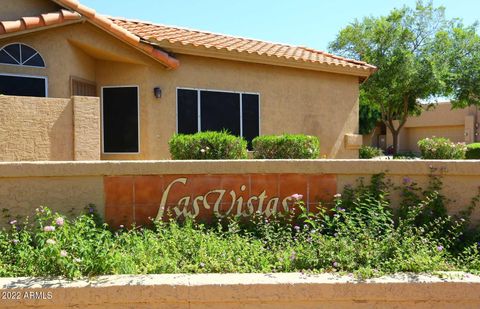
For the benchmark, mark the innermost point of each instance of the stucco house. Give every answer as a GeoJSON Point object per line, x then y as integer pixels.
{"type": "Point", "coordinates": [458, 125]}
{"type": "Point", "coordinates": [155, 80]}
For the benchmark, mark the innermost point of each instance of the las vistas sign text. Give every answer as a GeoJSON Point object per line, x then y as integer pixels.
{"type": "Point", "coordinates": [139, 199]}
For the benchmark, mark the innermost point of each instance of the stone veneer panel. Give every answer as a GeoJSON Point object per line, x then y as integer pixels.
{"type": "Point", "coordinates": [136, 199]}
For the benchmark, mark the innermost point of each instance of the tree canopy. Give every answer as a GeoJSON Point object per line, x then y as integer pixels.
{"type": "Point", "coordinates": [403, 45]}
{"type": "Point", "coordinates": [462, 63]}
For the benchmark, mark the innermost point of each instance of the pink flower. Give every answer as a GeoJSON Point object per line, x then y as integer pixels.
{"type": "Point", "coordinates": [51, 241]}
{"type": "Point", "coordinates": [297, 196]}
{"type": "Point", "coordinates": [63, 253]}
{"type": "Point", "coordinates": [49, 228]}
{"type": "Point", "coordinates": [13, 222]}
{"type": "Point", "coordinates": [60, 221]}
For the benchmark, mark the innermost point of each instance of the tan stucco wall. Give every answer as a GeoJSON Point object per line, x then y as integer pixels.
{"type": "Point", "coordinates": [248, 291]}
{"type": "Point", "coordinates": [86, 129]}
{"type": "Point", "coordinates": [35, 129]}
{"type": "Point", "coordinates": [67, 195]}
{"type": "Point", "coordinates": [458, 125]}
{"type": "Point", "coordinates": [47, 129]}
{"type": "Point", "coordinates": [67, 185]}
{"type": "Point", "coordinates": [291, 100]}
{"type": "Point", "coordinates": [62, 59]}
{"type": "Point", "coordinates": [10, 9]}
{"type": "Point", "coordinates": [413, 135]}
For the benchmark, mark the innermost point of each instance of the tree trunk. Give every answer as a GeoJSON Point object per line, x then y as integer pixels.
{"type": "Point", "coordinates": [395, 134]}
{"type": "Point", "coordinates": [371, 137]}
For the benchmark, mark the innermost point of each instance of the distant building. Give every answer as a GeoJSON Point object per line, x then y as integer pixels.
{"type": "Point", "coordinates": [458, 125]}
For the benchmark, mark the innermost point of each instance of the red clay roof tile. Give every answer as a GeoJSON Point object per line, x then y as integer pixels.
{"type": "Point", "coordinates": [32, 22]}
{"type": "Point", "coordinates": [186, 37]}
{"type": "Point", "coordinates": [121, 33]}
{"type": "Point", "coordinates": [145, 36]}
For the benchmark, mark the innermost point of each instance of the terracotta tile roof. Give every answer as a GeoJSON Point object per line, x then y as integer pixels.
{"type": "Point", "coordinates": [194, 38]}
{"type": "Point", "coordinates": [119, 32]}
{"type": "Point", "coordinates": [43, 20]}
{"type": "Point", "coordinates": [147, 37]}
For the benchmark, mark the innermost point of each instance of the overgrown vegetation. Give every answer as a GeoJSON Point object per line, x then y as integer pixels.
{"type": "Point", "coordinates": [286, 146]}
{"type": "Point", "coordinates": [369, 152]}
{"type": "Point", "coordinates": [438, 148]}
{"type": "Point", "coordinates": [359, 233]}
{"type": "Point", "coordinates": [207, 146]}
{"type": "Point", "coordinates": [473, 151]}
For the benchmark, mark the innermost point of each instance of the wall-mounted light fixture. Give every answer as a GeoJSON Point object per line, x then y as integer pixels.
{"type": "Point", "coordinates": [157, 92]}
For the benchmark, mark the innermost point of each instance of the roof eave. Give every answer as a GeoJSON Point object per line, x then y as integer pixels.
{"type": "Point", "coordinates": [42, 28]}
{"type": "Point", "coordinates": [120, 33]}
{"type": "Point", "coordinates": [361, 71]}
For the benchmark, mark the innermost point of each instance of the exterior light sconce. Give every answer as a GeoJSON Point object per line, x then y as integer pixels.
{"type": "Point", "coordinates": [157, 92]}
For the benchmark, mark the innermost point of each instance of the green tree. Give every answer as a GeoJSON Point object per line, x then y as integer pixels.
{"type": "Point", "coordinates": [402, 46]}
{"type": "Point", "coordinates": [369, 114]}
{"type": "Point", "coordinates": [462, 74]}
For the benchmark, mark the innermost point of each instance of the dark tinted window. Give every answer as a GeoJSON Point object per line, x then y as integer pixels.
{"type": "Point", "coordinates": [250, 117]}
{"type": "Point", "coordinates": [20, 54]}
{"type": "Point", "coordinates": [27, 53]}
{"type": "Point", "coordinates": [120, 120]}
{"type": "Point", "coordinates": [220, 111]}
{"type": "Point", "coordinates": [6, 58]}
{"type": "Point", "coordinates": [22, 86]}
{"type": "Point", "coordinates": [14, 51]}
{"type": "Point", "coordinates": [187, 111]}
{"type": "Point", "coordinates": [35, 61]}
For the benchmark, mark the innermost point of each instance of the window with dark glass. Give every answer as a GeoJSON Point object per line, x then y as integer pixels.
{"type": "Point", "coordinates": [28, 86]}
{"type": "Point", "coordinates": [187, 111]}
{"type": "Point", "coordinates": [19, 85]}
{"type": "Point", "coordinates": [22, 55]}
{"type": "Point", "coordinates": [120, 120]}
{"type": "Point", "coordinates": [206, 110]}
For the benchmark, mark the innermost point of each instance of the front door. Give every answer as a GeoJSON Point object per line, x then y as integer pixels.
{"type": "Point", "coordinates": [120, 116]}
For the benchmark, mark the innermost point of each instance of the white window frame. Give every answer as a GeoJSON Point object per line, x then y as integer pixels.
{"type": "Point", "coordinates": [30, 76]}
{"type": "Point", "coordinates": [199, 111]}
{"type": "Point", "coordinates": [138, 120]}
{"type": "Point", "coordinates": [24, 65]}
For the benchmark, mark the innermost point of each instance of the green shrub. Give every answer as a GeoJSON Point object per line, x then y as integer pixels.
{"type": "Point", "coordinates": [405, 155]}
{"type": "Point", "coordinates": [207, 146]}
{"type": "Point", "coordinates": [473, 151]}
{"type": "Point", "coordinates": [368, 152]}
{"type": "Point", "coordinates": [286, 146]}
{"type": "Point", "coordinates": [441, 148]}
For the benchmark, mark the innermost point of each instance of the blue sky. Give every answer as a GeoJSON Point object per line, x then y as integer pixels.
{"type": "Point", "coordinates": [312, 23]}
